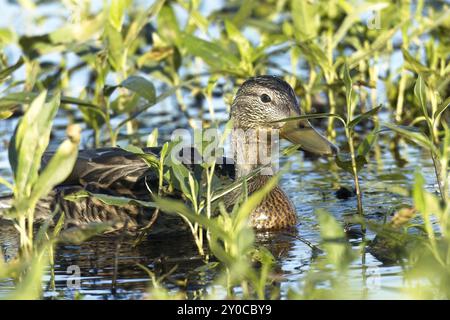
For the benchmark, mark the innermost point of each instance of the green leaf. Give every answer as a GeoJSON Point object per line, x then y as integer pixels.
{"type": "Point", "coordinates": [5, 114]}
{"type": "Point", "coordinates": [141, 86]}
{"type": "Point", "coordinates": [116, 13]}
{"type": "Point", "coordinates": [160, 98]}
{"type": "Point", "coordinates": [133, 149]}
{"type": "Point", "coordinates": [7, 36]}
{"type": "Point", "coordinates": [78, 31]}
{"type": "Point", "coordinates": [59, 225]}
{"type": "Point", "coordinates": [370, 139]}
{"type": "Point", "coordinates": [213, 54]}
{"type": "Point", "coordinates": [80, 102]}
{"type": "Point", "coordinates": [27, 97]}
{"type": "Point", "coordinates": [169, 30]}
{"type": "Point", "coordinates": [6, 183]}
{"type": "Point", "coordinates": [183, 179]}
{"type": "Point", "coordinates": [348, 91]}
{"type": "Point", "coordinates": [334, 241]}
{"type": "Point", "coordinates": [344, 162]}
{"type": "Point", "coordinates": [30, 141]}
{"type": "Point", "coordinates": [140, 20]}
{"type": "Point", "coordinates": [245, 11]}
{"type": "Point", "coordinates": [441, 109]}
{"type": "Point", "coordinates": [30, 285]}
{"type": "Point", "coordinates": [412, 134]}
{"type": "Point", "coordinates": [118, 201]}
{"type": "Point", "coordinates": [425, 203]}
{"type": "Point", "coordinates": [306, 19]}
{"type": "Point", "coordinates": [379, 44]}
{"type": "Point", "coordinates": [14, 99]}
{"type": "Point", "coordinates": [244, 46]}
{"type": "Point", "coordinates": [151, 159]}
{"type": "Point", "coordinates": [196, 20]}
{"type": "Point", "coordinates": [152, 140]}
{"type": "Point", "coordinates": [421, 95]}
{"type": "Point", "coordinates": [178, 207]}
{"type": "Point", "coordinates": [79, 234]}
{"type": "Point", "coordinates": [363, 116]}
{"type": "Point", "coordinates": [57, 170]}
{"type": "Point", "coordinates": [116, 53]}
{"type": "Point", "coordinates": [412, 64]}
{"type": "Point", "coordinates": [315, 55]}
{"type": "Point", "coordinates": [347, 81]}
{"type": "Point", "coordinates": [5, 73]}
{"type": "Point", "coordinates": [418, 193]}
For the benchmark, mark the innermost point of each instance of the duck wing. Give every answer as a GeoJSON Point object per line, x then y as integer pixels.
{"type": "Point", "coordinates": [117, 172]}
{"type": "Point", "coordinates": [113, 170]}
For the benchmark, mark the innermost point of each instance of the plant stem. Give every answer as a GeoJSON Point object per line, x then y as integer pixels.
{"type": "Point", "coordinates": [400, 97]}
{"type": "Point", "coordinates": [309, 86]}
{"type": "Point", "coordinates": [30, 220]}
{"type": "Point", "coordinates": [439, 176]}
{"type": "Point", "coordinates": [112, 135]}
{"type": "Point", "coordinates": [355, 172]}
{"type": "Point", "coordinates": [329, 77]}
{"type": "Point", "coordinates": [330, 130]}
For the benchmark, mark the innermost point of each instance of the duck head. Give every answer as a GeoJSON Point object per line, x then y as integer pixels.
{"type": "Point", "coordinates": [263, 101]}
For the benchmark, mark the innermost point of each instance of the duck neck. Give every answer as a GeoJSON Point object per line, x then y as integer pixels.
{"type": "Point", "coordinates": [253, 148]}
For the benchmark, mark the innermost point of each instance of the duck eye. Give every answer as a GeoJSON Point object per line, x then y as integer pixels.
{"type": "Point", "coordinates": [265, 98]}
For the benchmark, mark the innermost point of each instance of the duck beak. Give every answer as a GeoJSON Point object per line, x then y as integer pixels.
{"type": "Point", "coordinates": [301, 132]}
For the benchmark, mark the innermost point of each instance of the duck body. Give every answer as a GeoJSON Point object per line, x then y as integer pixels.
{"type": "Point", "coordinates": [105, 171]}
{"type": "Point", "coordinates": [261, 104]}
{"type": "Point", "coordinates": [119, 173]}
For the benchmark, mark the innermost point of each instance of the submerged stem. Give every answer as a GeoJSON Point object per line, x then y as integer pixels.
{"type": "Point", "coordinates": [330, 129]}
{"type": "Point", "coordinates": [439, 176]}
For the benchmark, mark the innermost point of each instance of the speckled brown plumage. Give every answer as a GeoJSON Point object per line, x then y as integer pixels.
{"type": "Point", "coordinates": [276, 211]}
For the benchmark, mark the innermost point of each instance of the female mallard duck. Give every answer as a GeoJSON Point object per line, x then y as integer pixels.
{"type": "Point", "coordinates": [260, 103]}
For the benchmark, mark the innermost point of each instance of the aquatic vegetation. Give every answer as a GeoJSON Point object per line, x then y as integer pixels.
{"type": "Point", "coordinates": [26, 148]}
{"type": "Point", "coordinates": [129, 73]}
